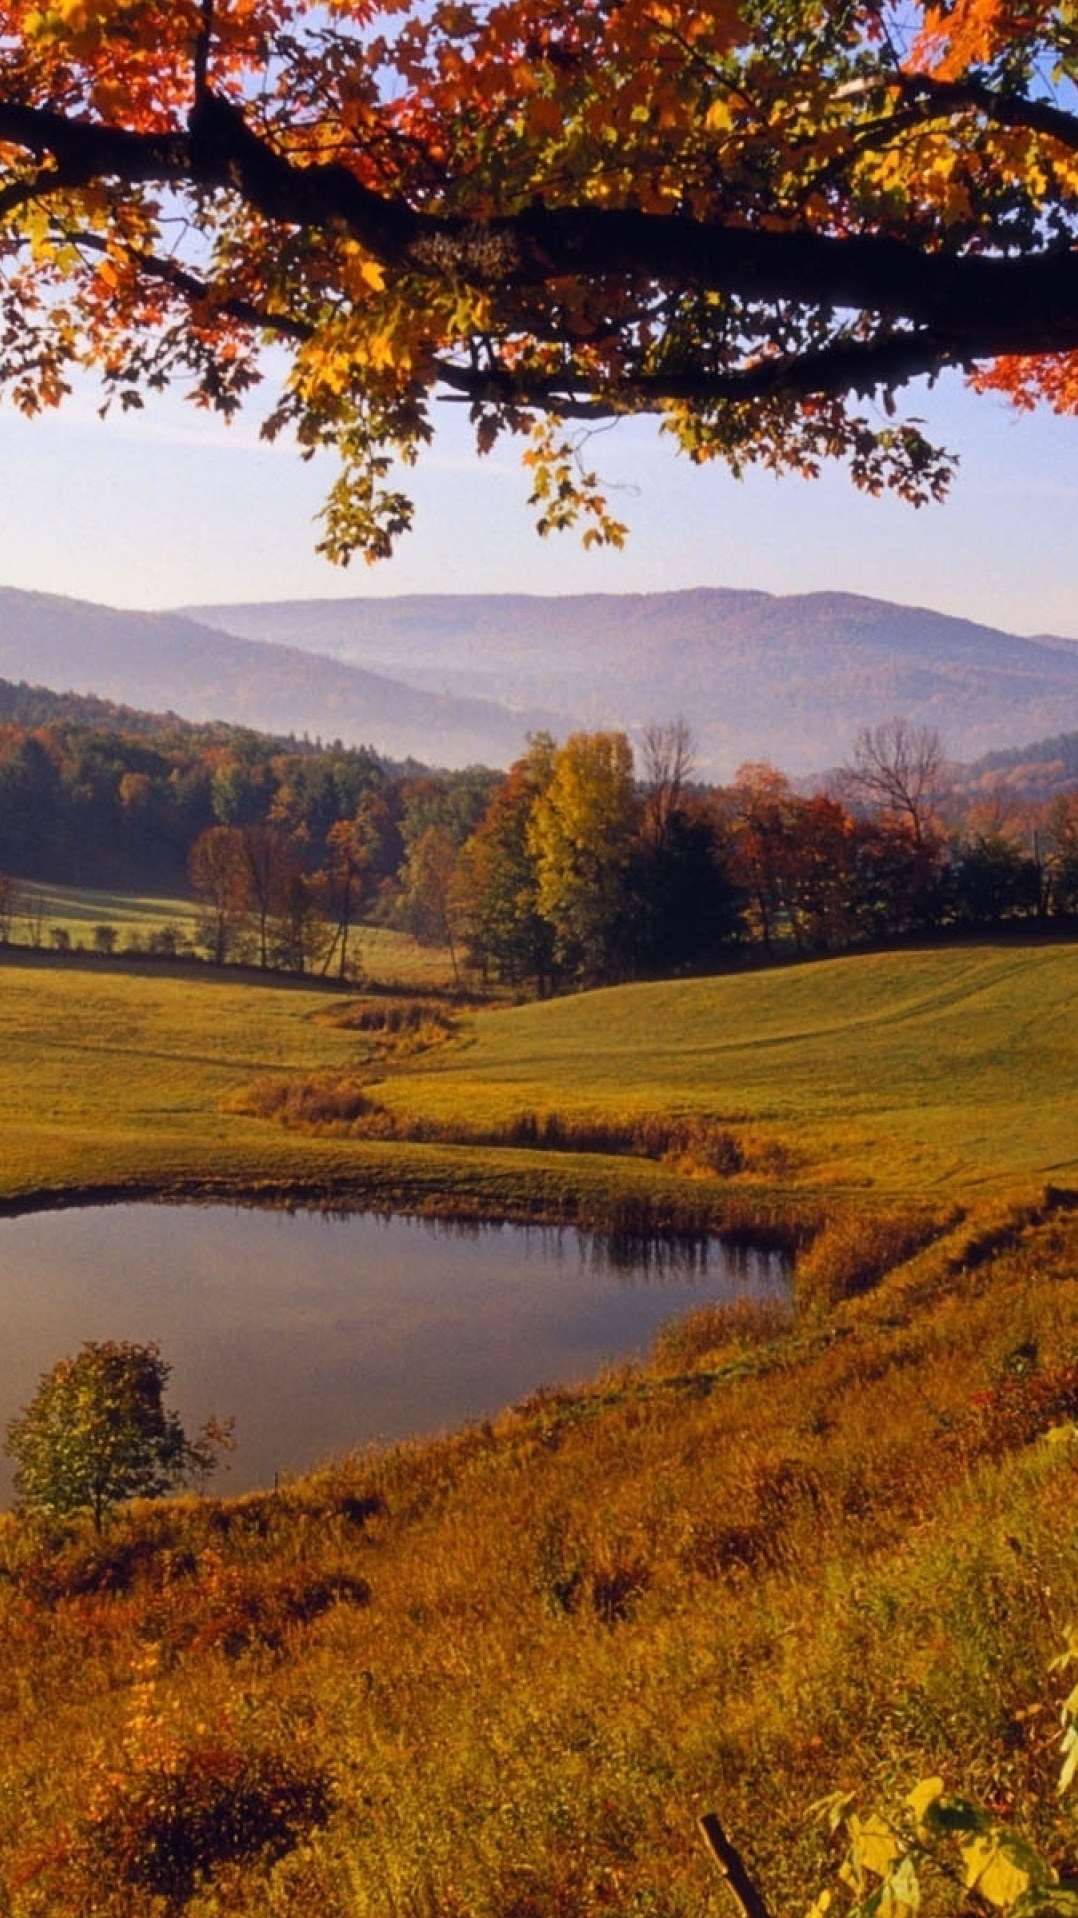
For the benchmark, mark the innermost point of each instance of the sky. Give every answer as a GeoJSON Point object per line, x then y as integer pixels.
{"type": "Point", "coordinates": [170, 507]}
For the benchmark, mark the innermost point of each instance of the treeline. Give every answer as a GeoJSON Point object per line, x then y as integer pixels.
{"type": "Point", "coordinates": [585, 863]}
{"type": "Point", "coordinates": [97, 806]}
{"type": "Point", "coordinates": [589, 868]}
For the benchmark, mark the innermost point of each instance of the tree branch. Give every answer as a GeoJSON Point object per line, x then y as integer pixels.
{"type": "Point", "coordinates": [858, 366]}
{"type": "Point", "coordinates": [947, 97]}
{"type": "Point", "coordinates": [732, 1867]}
{"type": "Point", "coordinates": [201, 292]}
{"type": "Point", "coordinates": [202, 52]}
{"type": "Point", "coordinates": [971, 306]}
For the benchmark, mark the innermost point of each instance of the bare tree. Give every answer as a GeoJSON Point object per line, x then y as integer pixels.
{"type": "Point", "coordinates": [668, 759]}
{"type": "Point", "coordinates": [9, 904]}
{"type": "Point", "coordinates": [900, 768]}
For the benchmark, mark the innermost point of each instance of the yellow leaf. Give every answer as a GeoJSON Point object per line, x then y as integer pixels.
{"type": "Point", "coordinates": [874, 1844]}
{"type": "Point", "coordinates": [925, 1793]}
{"type": "Point", "coordinates": [992, 1872]}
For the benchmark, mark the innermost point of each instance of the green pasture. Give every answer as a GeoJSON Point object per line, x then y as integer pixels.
{"type": "Point", "coordinates": [931, 1073]}
{"type": "Point", "coordinates": [120, 1079]}
{"type": "Point", "coordinates": [381, 955]}
{"type": "Point", "coordinates": [109, 1076]}
{"type": "Point", "coordinates": [76, 910]}
{"type": "Point", "coordinates": [936, 1069]}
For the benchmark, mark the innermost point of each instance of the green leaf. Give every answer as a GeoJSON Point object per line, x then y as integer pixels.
{"type": "Point", "coordinates": [901, 1892]}
{"type": "Point", "coordinates": [1061, 1900]}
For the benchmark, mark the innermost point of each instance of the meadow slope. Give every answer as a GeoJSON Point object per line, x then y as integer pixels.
{"type": "Point", "coordinates": [944, 1068]}
{"type": "Point", "coordinates": [910, 1077]}
{"type": "Point", "coordinates": [499, 1674]}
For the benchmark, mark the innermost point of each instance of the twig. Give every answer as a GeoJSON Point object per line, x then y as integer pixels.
{"type": "Point", "coordinates": [202, 52]}
{"type": "Point", "coordinates": [749, 1900]}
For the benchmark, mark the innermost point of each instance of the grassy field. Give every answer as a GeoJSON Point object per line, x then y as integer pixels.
{"type": "Point", "coordinates": [110, 1076]}
{"type": "Point", "coordinates": [78, 909]}
{"type": "Point", "coordinates": [499, 1675]}
{"type": "Point", "coordinates": [906, 1077]}
{"type": "Point", "coordinates": [382, 956]}
{"type": "Point", "coordinates": [941, 1070]}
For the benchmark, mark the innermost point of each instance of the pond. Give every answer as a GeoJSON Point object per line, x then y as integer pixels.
{"type": "Point", "coordinates": [319, 1333]}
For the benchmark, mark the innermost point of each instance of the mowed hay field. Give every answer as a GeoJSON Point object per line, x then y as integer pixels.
{"type": "Point", "coordinates": [906, 1073]}
{"type": "Point", "coordinates": [110, 1076]}
{"type": "Point", "coordinates": [908, 1076]}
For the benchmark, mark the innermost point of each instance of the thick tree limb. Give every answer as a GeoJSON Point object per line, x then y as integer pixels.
{"type": "Point", "coordinates": [974, 305]}
{"type": "Point", "coordinates": [942, 99]}
{"type": "Point", "coordinates": [852, 366]}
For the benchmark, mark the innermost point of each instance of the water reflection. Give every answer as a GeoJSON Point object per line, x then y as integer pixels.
{"type": "Point", "coordinates": [321, 1332]}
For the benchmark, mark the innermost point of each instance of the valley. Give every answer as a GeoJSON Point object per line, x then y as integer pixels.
{"type": "Point", "coordinates": [806, 1545]}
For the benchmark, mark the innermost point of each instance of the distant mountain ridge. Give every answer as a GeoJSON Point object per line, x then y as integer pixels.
{"type": "Point", "coordinates": [790, 679]}
{"type": "Point", "coordinates": [458, 679]}
{"type": "Point", "coordinates": [170, 662]}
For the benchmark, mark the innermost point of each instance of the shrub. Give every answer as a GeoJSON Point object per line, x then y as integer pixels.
{"type": "Point", "coordinates": [1023, 1403]}
{"type": "Point", "coordinates": [740, 1324]}
{"type": "Point", "coordinates": [164, 1823]}
{"type": "Point", "coordinates": [853, 1251]}
{"type": "Point", "coordinates": [97, 1432]}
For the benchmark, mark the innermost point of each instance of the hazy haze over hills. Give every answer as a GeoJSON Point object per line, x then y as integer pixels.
{"type": "Point", "coordinates": [453, 679]}
{"type": "Point", "coordinates": [166, 661]}
{"type": "Point", "coordinates": [788, 679]}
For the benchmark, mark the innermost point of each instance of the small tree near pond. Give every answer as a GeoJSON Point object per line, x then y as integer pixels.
{"type": "Point", "coordinates": [97, 1432]}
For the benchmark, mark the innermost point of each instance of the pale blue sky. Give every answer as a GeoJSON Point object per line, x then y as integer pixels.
{"type": "Point", "coordinates": [169, 506]}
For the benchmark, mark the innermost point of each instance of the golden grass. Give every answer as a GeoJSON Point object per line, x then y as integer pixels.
{"type": "Point", "coordinates": [905, 1074]}
{"type": "Point", "coordinates": [388, 958]}
{"type": "Point", "coordinates": [904, 1081]}
{"type": "Point", "coordinates": [499, 1675]}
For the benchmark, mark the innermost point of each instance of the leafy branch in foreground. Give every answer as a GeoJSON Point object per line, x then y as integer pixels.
{"type": "Point", "coordinates": [758, 222]}
{"type": "Point", "coordinates": [939, 1848]}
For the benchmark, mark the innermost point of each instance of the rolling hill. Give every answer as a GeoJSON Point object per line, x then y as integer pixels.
{"type": "Point", "coordinates": [759, 677]}
{"type": "Point", "coordinates": [457, 680]}
{"type": "Point", "coordinates": [172, 663]}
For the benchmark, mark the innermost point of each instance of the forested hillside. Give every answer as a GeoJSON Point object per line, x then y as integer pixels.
{"type": "Point", "coordinates": [841, 661]}
{"type": "Point", "coordinates": [587, 862]}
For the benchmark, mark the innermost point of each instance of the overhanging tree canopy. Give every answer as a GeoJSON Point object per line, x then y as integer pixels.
{"type": "Point", "coordinates": [758, 221]}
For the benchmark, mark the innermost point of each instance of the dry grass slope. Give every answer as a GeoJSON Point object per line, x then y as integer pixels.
{"type": "Point", "coordinates": [499, 1675]}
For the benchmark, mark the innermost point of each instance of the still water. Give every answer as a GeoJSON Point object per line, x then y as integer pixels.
{"type": "Point", "coordinates": [320, 1333]}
